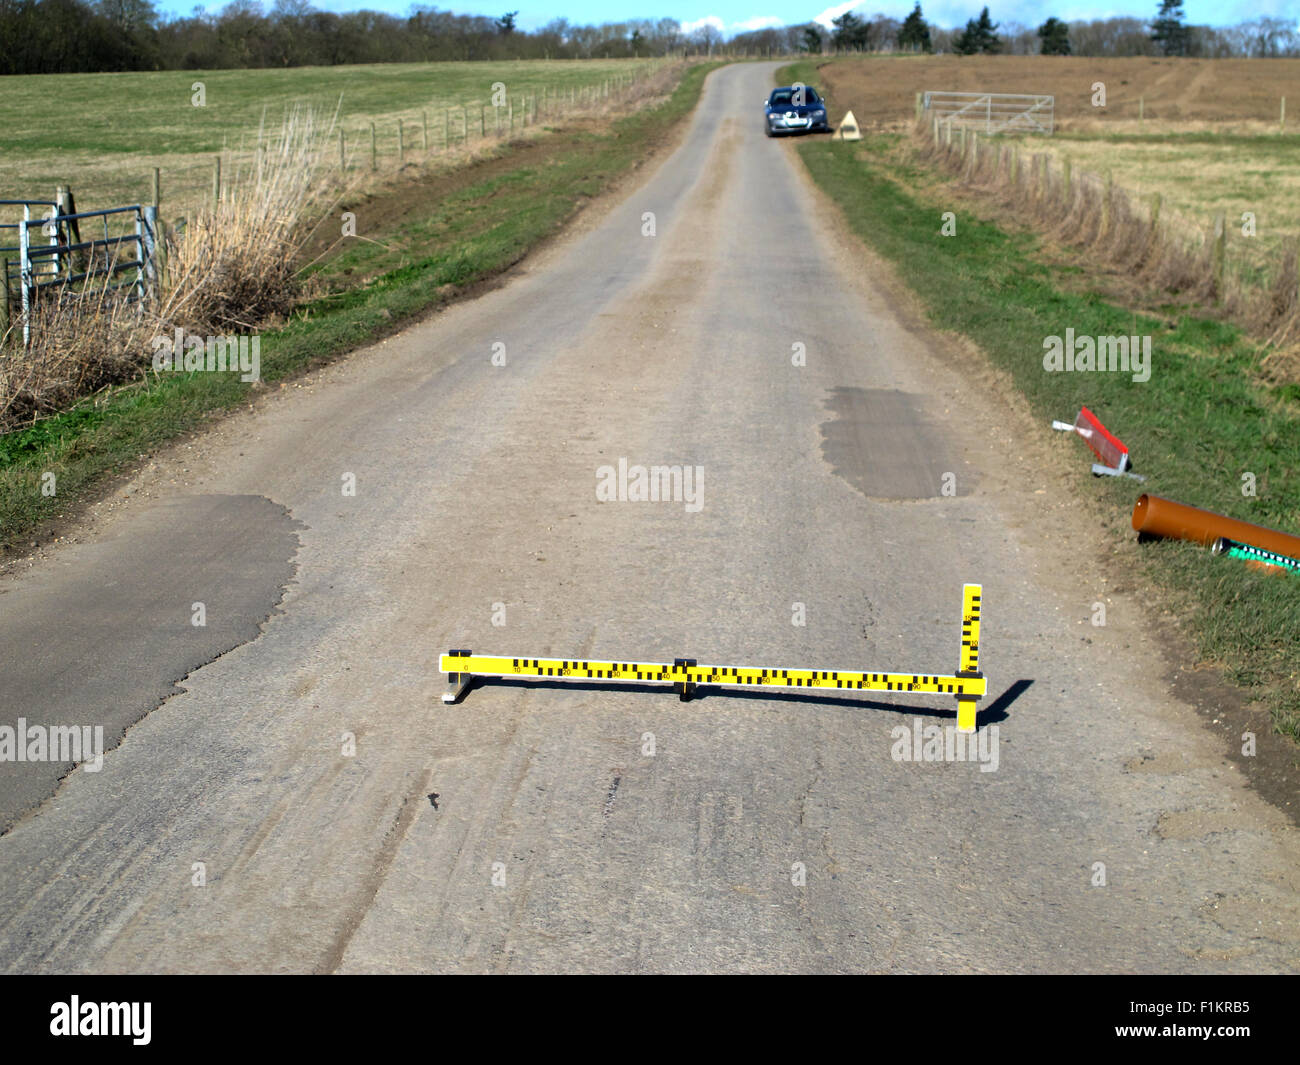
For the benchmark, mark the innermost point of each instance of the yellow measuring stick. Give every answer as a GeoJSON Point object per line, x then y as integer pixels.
{"type": "Point", "coordinates": [967, 684]}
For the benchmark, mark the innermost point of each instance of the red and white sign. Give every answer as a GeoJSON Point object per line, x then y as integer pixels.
{"type": "Point", "coordinates": [1105, 444]}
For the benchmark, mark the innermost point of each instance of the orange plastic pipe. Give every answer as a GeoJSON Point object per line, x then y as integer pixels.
{"type": "Point", "coordinates": [1177, 521]}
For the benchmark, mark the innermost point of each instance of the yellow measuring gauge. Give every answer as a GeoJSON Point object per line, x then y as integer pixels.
{"type": "Point", "coordinates": [967, 684]}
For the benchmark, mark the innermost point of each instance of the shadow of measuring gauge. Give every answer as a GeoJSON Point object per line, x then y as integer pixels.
{"type": "Point", "coordinates": [990, 713]}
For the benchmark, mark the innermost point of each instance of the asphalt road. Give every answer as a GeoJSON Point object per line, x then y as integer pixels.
{"type": "Point", "coordinates": [305, 802]}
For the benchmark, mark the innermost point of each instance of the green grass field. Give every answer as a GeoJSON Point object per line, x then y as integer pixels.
{"type": "Point", "coordinates": [104, 133]}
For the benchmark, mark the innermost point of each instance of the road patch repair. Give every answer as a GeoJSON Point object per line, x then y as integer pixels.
{"type": "Point", "coordinates": [197, 575]}
{"type": "Point", "coordinates": [885, 444]}
{"type": "Point", "coordinates": [967, 684]}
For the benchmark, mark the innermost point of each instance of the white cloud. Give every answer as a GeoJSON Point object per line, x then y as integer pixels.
{"type": "Point", "coordinates": [831, 13]}
{"type": "Point", "coordinates": [759, 22]}
{"type": "Point", "coordinates": [700, 23]}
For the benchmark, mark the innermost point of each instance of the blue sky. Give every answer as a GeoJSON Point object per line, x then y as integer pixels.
{"type": "Point", "coordinates": [736, 15]}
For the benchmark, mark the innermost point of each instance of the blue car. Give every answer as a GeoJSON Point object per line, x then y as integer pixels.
{"type": "Point", "coordinates": [794, 109]}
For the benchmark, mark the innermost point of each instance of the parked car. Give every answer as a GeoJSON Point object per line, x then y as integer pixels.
{"type": "Point", "coordinates": [794, 109]}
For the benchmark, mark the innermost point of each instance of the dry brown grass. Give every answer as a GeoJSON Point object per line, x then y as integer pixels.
{"type": "Point", "coordinates": [80, 348]}
{"type": "Point", "coordinates": [1156, 248]}
{"type": "Point", "coordinates": [229, 270]}
{"type": "Point", "coordinates": [232, 267]}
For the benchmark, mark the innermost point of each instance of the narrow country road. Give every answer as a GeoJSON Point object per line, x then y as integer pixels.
{"type": "Point", "coordinates": [542, 827]}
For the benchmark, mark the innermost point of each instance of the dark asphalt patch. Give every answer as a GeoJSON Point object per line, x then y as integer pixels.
{"type": "Point", "coordinates": [99, 638]}
{"type": "Point", "coordinates": [887, 447]}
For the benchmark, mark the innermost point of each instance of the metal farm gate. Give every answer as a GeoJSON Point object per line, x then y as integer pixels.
{"type": "Point", "coordinates": [52, 261]}
{"type": "Point", "coordinates": [993, 112]}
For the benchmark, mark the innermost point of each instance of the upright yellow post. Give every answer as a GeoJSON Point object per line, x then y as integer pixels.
{"type": "Point", "coordinates": [969, 665]}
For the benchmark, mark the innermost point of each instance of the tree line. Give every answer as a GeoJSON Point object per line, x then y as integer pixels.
{"type": "Point", "coordinates": [1166, 34]}
{"type": "Point", "coordinates": [66, 36]}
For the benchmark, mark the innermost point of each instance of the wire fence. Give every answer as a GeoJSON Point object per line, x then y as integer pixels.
{"type": "Point", "coordinates": [440, 128]}
{"type": "Point", "coordinates": [46, 263]}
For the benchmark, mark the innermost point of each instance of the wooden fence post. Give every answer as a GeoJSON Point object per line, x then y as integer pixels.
{"type": "Point", "coordinates": [482, 121]}
{"type": "Point", "coordinates": [1281, 118]}
{"type": "Point", "coordinates": [374, 159]}
{"type": "Point", "coordinates": [343, 160]}
{"type": "Point", "coordinates": [1067, 183]}
{"type": "Point", "coordinates": [1219, 253]}
{"type": "Point", "coordinates": [424, 121]}
{"type": "Point", "coordinates": [216, 184]}
{"type": "Point", "coordinates": [1297, 285]}
{"type": "Point", "coordinates": [401, 143]}
{"type": "Point", "coordinates": [1105, 205]}
{"type": "Point", "coordinates": [446, 127]}
{"type": "Point", "coordinates": [66, 204]}
{"type": "Point", "coordinates": [157, 187]}
{"type": "Point", "coordinates": [1153, 235]}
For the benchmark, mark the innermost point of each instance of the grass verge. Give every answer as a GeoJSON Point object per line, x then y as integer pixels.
{"type": "Point", "coordinates": [478, 231]}
{"type": "Point", "coordinates": [1196, 427]}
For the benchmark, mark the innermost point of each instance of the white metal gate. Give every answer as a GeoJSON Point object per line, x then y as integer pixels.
{"type": "Point", "coordinates": [63, 266]}
{"type": "Point", "coordinates": [994, 112]}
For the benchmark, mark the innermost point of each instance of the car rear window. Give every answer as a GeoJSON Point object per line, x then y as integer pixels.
{"type": "Point", "coordinates": [784, 97]}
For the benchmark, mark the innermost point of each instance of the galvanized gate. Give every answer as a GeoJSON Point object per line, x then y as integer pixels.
{"type": "Point", "coordinates": [994, 112]}
{"type": "Point", "coordinates": [54, 262]}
